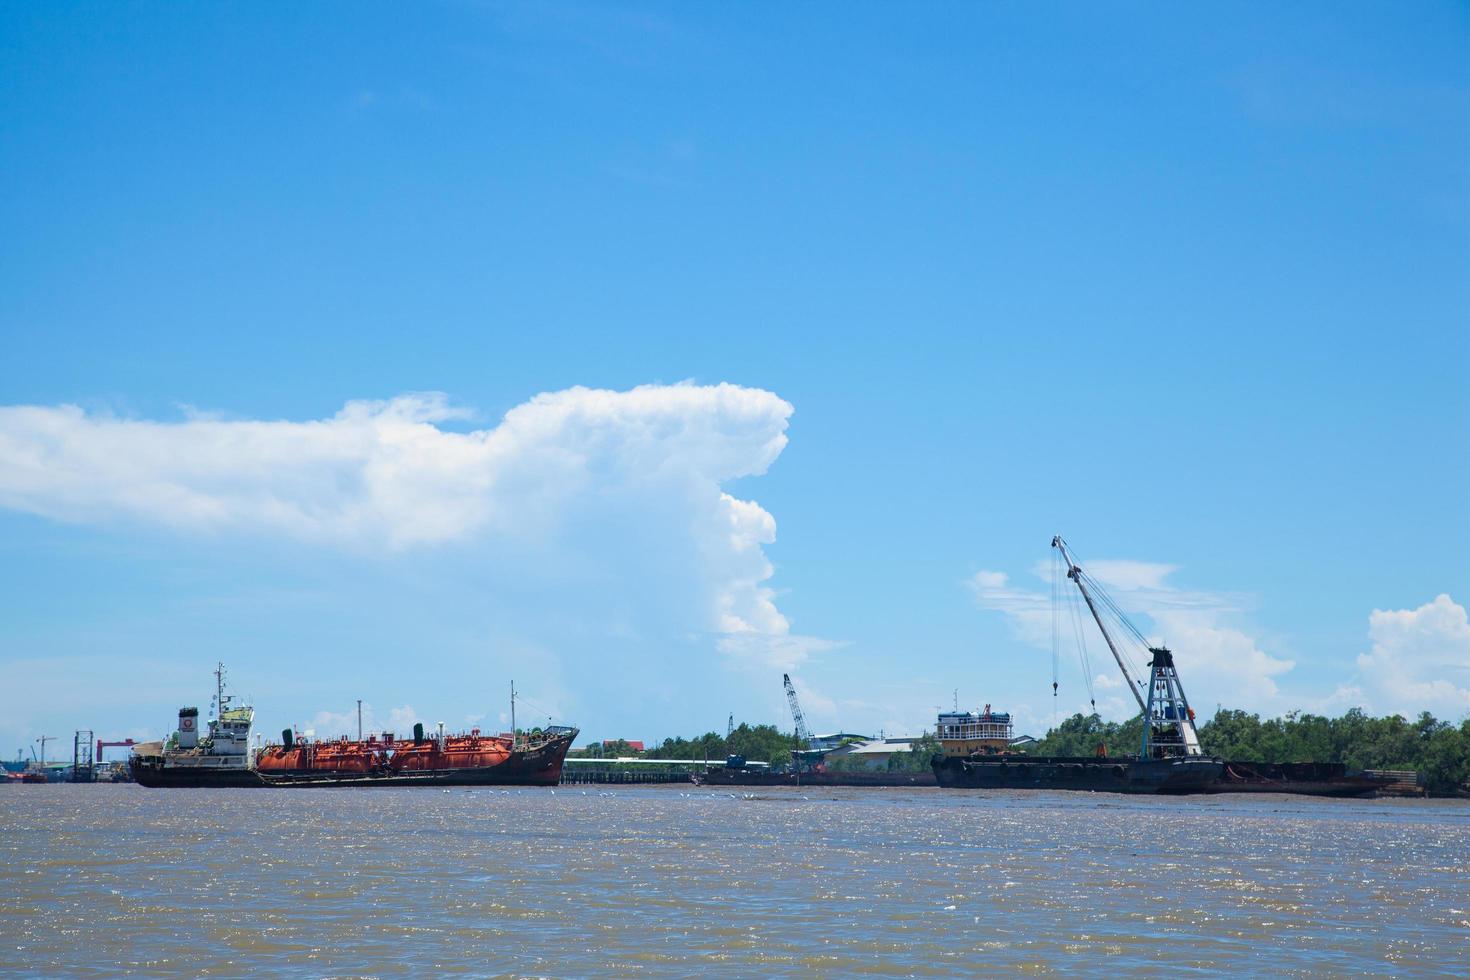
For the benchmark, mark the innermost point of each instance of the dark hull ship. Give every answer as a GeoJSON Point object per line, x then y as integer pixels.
{"type": "Point", "coordinates": [186, 760]}
{"type": "Point", "coordinates": [223, 758]}
{"type": "Point", "coordinates": [154, 774]}
{"type": "Point", "coordinates": [1101, 775]}
{"type": "Point", "coordinates": [473, 759]}
{"type": "Point", "coordinates": [976, 748]}
{"type": "Point", "coordinates": [1302, 778]}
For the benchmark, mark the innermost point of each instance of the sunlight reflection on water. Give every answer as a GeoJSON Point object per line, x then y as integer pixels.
{"type": "Point", "coordinates": [109, 880]}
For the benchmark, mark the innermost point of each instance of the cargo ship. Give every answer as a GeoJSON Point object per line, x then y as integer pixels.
{"type": "Point", "coordinates": [223, 757]}
{"type": "Point", "coordinates": [531, 758]}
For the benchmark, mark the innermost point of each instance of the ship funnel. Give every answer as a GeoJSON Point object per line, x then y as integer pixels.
{"type": "Point", "coordinates": [288, 738]}
{"type": "Point", "coordinates": [418, 731]}
{"type": "Point", "coordinates": [188, 728]}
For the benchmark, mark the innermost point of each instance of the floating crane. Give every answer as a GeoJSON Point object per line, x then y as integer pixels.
{"type": "Point", "coordinates": [1168, 728]}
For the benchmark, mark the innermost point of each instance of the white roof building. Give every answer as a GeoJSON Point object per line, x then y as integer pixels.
{"type": "Point", "coordinates": [874, 752]}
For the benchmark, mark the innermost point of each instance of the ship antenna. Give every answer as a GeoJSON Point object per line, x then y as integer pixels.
{"type": "Point", "coordinates": [513, 736]}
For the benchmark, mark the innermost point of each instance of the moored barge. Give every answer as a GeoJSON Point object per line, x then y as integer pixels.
{"type": "Point", "coordinates": [976, 748]}
{"type": "Point", "coordinates": [975, 754]}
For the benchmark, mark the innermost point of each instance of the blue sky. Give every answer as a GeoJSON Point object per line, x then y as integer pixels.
{"type": "Point", "coordinates": [1185, 285]}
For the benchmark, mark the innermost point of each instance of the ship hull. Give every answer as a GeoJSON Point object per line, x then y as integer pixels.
{"type": "Point", "coordinates": [1173, 776]}
{"type": "Point", "coordinates": [540, 766]}
{"type": "Point", "coordinates": [738, 777]}
{"type": "Point", "coordinates": [157, 776]}
{"type": "Point", "coordinates": [1298, 778]}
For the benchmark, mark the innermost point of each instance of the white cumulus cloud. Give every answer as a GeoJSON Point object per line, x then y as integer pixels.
{"type": "Point", "coordinates": [330, 724]}
{"type": "Point", "coordinates": [1419, 660]}
{"type": "Point", "coordinates": [594, 477]}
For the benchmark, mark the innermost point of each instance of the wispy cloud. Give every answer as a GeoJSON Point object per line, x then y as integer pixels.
{"type": "Point", "coordinates": [1219, 661]}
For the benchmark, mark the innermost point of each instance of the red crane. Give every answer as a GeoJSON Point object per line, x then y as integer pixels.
{"type": "Point", "coordinates": [108, 745]}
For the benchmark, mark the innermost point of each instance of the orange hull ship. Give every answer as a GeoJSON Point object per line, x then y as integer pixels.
{"type": "Point", "coordinates": [473, 759]}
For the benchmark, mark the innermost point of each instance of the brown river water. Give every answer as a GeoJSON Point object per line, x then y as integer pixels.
{"type": "Point", "coordinates": [117, 880]}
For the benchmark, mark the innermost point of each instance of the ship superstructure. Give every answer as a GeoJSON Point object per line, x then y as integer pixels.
{"type": "Point", "coordinates": [966, 733]}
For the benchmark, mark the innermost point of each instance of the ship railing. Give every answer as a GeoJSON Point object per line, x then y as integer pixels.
{"type": "Point", "coordinates": [980, 730]}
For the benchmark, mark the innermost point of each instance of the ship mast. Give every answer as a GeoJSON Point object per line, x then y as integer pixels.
{"type": "Point", "coordinates": [1168, 720]}
{"type": "Point", "coordinates": [219, 692]}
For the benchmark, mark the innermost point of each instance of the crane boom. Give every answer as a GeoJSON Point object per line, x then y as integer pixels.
{"type": "Point", "coordinates": [1168, 720]}
{"type": "Point", "coordinates": [1075, 574]}
{"type": "Point", "coordinates": [802, 735]}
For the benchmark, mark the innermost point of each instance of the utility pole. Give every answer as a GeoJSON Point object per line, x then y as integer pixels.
{"type": "Point", "coordinates": [359, 719]}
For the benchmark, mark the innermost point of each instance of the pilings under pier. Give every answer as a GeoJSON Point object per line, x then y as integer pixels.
{"type": "Point", "coordinates": [585, 776]}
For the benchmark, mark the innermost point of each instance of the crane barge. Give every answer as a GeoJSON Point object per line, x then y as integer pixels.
{"type": "Point", "coordinates": [975, 749]}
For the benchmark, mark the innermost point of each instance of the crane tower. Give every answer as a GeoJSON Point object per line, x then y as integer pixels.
{"type": "Point", "coordinates": [803, 737]}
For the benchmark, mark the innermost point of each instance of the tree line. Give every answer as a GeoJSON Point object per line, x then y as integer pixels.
{"type": "Point", "coordinates": [1438, 750]}
{"type": "Point", "coordinates": [756, 743]}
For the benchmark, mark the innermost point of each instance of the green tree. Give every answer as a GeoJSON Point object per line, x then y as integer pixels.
{"type": "Point", "coordinates": [919, 756]}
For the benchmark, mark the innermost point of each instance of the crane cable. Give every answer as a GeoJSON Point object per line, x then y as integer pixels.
{"type": "Point", "coordinates": [1055, 631]}
{"type": "Point", "coordinates": [1135, 641]}
{"type": "Point", "coordinates": [1062, 595]}
{"type": "Point", "coordinates": [1084, 656]}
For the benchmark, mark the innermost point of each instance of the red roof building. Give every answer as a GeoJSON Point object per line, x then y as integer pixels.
{"type": "Point", "coordinates": [635, 746]}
